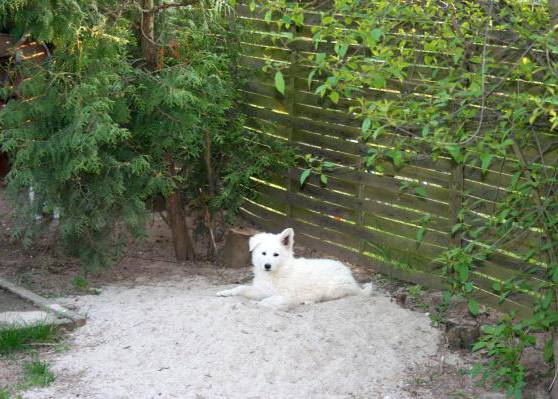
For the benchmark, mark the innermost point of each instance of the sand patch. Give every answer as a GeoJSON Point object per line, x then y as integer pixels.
{"type": "Point", "coordinates": [176, 339]}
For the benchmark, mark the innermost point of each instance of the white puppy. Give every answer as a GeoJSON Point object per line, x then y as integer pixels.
{"type": "Point", "coordinates": [283, 281]}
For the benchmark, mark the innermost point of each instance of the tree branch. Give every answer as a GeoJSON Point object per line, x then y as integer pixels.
{"type": "Point", "coordinates": [165, 6]}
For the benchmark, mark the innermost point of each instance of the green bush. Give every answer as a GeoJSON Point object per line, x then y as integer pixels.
{"type": "Point", "coordinates": [98, 132]}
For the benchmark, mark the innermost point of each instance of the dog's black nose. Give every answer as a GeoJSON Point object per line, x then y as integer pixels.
{"type": "Point", "coordinates": [267, 266]}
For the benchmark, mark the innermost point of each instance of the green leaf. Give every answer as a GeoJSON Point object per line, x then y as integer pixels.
{"type": "Point", "coordinates": [474, 307]}
{"type": "Point", "coordinates": [404, 186]}
{"type": "Point", "coordinates": [463, 272]}
{"type": "Point", "coordinates": [376, 34]}
{"type": "Point", "coordinates": [267, 16]}
{"type": "Point", "coordinates": [546, 300]}
{"type": "Point", "coordinates": [486, 160]}
{"type": "Point", "coordinates": [304, 176]}
{"type": "Point", "coordinates": [280, 82]}
{"type": "Point", "coordinates": [420, 191]}
{"type": "Point", "coordinates": [310, 77]}
{"type": "Point", "coordinates": [456, 228]}
{"type": "Point", "coordinates": [396, 156]}
{"type": "Point", "coordinates": [321, 90]}
{"type": "Point", "coordinates": [548, 350]}
{"type": "Point", "coordinates": [455, 152]}
{"type": "Point", "coordinates": [420, 234]}
{"type": "Point", "coordinates": [379, 82]}
{"type": "Point", "coordinates": [341, 50]}
{"type": "Point", "coordinates": [457, 54]}
{"type": "Point", "coordinates": [323, 179]}
{"type": "Point", "coordinates": [366, 123]}
{"type": "Point", "coordinates": [478, 346]}
{"type": "Point", "coordinates": [334, 96]}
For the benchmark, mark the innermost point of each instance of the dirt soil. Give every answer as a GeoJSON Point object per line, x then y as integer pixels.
{"type": "Point", "coordinates": [156, 330]}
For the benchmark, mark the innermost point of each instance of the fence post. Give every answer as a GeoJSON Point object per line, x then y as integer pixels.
{"type": "Point", "coordinates": [291, 110]}
{"type": "Point", "coordinates": [360, 200]}
{"type": "Point", "coordinates": [455, 201]}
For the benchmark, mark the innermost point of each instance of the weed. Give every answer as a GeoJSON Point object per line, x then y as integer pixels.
{"type": "Point", "coordinates": [17, 338]}
{"type": "Point", "coordinates": [438, 316]}
{"type": "Point", "coordinates": [416, 291]}
{"type": "Point", "coordinates": [37, 373]}
{"type": "Point", "coordinates": [80, 282]}
{"type": "Point", "coordinates": [5, 394]}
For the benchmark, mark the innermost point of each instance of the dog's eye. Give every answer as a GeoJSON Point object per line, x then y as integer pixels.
{"type": "Point", "coordinates": [263, 253]}
{"type": "Point", "coordinates": [276, 255]}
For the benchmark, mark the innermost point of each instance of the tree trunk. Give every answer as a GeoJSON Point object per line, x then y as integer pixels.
{"type": "Point", "coordinates": [183, 246]}
{"type": "Point", "coordinates": [209, 164]}
{"type": "Point", "coordinates": [211, 250]}
{"type": "Point", "coordinates": [148, 46]}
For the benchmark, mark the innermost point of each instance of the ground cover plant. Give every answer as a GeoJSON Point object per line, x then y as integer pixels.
{"type": "Point", "coordinates": [27, 340]}
{"type": "Point", "coordinates": [15, 338]}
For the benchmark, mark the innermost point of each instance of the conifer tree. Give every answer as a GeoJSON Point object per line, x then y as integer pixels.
{"type": "Point", "coordinates": [137, 99]}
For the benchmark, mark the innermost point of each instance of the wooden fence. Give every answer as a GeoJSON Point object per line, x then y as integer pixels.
{"type": "Point", "coordinates": [360, 216]}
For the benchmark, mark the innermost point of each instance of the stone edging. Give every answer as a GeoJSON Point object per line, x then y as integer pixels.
{"type": "Point", "coordinates": [69, 318]}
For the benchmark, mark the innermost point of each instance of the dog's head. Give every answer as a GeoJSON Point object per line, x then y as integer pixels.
{"type": "Point", "coordinates": [271, 251]}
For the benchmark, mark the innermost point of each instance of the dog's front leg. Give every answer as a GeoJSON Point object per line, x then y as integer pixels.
{"type": "Point", "coordinates": [275, 302]}
{"type": "Point", "coordinates": [247, 291]}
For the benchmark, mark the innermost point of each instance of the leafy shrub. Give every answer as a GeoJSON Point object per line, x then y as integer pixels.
{"type": "Point", "coordinates": [97, 131]}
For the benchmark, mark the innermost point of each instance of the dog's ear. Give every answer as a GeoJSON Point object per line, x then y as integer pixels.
{"type": "Point", "coordinates": [287, 238]}
{"type": "Point", "coordinates": [255, 240]}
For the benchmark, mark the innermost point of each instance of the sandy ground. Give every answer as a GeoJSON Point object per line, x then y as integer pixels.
{"type": "Point", "coordinates": [176, 339]}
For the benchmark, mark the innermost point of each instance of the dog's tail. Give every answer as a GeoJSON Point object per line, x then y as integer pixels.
{"type": "Point", "coordinates": [366, 289]}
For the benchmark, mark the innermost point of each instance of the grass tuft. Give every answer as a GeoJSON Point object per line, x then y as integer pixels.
{"type": "Point", "coordinates": [37, 373]}
{"type": "Point", "coordinates": [80, 283]}
{"type": "Point", "coordinates": [18, 338]}
{"type": "Point", "coordinates": [5, 394]}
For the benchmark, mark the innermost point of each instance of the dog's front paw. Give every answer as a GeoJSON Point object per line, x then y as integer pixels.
{"type": "Point", "coordinates": [225, 293]}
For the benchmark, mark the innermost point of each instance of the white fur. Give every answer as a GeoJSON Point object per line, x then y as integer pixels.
{"type": "Point", "coordinates": [290, 281]}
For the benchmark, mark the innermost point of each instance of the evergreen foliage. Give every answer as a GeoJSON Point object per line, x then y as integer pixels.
{"type": "Point", "coordinates": [96, 134]}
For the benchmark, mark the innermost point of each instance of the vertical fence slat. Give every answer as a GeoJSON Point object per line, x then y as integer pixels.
{"type": "Point", "coordinates": [360, 214]}
{"type": "Point", "coordinates": [455, 201]}
{"type": "Point", "coordinates": [291, 109]}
